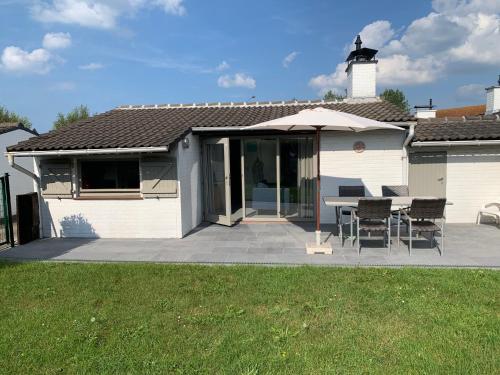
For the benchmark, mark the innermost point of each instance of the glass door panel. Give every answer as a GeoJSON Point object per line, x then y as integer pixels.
{"type": "Point", "coordinates": [260, 179]}
{"type": "Point", "coordinates": [296, 178]}
{"type": "Point", "coordinates": [217, 183]}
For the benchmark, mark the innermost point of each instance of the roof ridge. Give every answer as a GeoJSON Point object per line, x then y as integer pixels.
{"type": "Point", "coordinates": [251, 104]}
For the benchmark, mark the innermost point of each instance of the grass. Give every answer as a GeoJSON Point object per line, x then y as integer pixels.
{"type": "Point", "coordinates": [146, 318]}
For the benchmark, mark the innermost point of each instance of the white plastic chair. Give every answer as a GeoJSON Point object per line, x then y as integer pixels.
{"type": "Point", "coordinates": [490, 209]}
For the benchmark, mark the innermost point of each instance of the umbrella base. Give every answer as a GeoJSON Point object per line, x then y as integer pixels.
{"type": "Point", "coordinates": [314, 248]}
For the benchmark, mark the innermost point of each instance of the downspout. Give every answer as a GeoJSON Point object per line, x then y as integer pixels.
{"type": "Point", "coordinates": [12, 163]}
{"type": "Point", "coordinates": [409, 137]}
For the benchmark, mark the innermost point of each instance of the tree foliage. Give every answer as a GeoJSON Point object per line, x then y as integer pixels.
{"type": "Point", "coordinates": [78, 113]}
{"type": "Point", "coordinates": [8, 116]}
{"type": "Point", "coordinates": [330, 95]}
{"type": "Point", "coordinates": [396, 97]}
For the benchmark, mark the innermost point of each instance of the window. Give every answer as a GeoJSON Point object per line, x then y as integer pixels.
{"type": "Point", "coordinates": [110, 175]}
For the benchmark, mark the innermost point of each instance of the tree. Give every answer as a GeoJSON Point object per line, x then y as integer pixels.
{"type": "Point", "coordinates": [330, 95]}
{"type": "Point", "coordinates": [8, 116]}
{"type": "Point", "coordinates": [396, 97]}
{"type": "Point", "coordinates": [78, 113]}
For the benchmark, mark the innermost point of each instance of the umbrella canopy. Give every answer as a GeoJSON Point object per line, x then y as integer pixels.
{"type": "Point", "coordinates": [319, 119]}
{"type": "Point", "coordinates": [326, 119]}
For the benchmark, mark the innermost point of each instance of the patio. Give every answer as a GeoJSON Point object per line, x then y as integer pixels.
{"type": "Point", "coordinates": [466, 246]}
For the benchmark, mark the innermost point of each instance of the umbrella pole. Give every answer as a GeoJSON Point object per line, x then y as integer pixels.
{"type": "Point", "coordinates": [318, 185]}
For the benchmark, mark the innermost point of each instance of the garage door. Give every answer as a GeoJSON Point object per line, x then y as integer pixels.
{"type": "Point", "coordinates": [473, 179]}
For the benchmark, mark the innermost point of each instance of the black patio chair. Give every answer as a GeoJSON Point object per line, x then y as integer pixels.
{"type": "Point", "coordinates": [421, 218]}
{"type": "Point", "coordinates": [349, 191]}
{"type": "Point", "coordinates": [374, 215]}
{"type": "Point", "coordinates": [396, 191]}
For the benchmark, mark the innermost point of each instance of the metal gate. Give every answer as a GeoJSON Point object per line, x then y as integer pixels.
{"type": "Point", "coordinates": [6, 227]}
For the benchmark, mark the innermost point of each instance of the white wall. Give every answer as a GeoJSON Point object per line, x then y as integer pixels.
{"type": "Point", "coordinates": [19, 182]}
{"type": "Point", "coordinates": [148, 218]}
{"type": "Point", "coordinates": [492, 99]}
{"type": "Point", "coordinates": [362, 80]}
{"type": "Point", "coordinates": [473, 179]}
{"type": "Point", "coordinates": [380, 164]}
{"type": "Point", "coordinates": [189, 174]}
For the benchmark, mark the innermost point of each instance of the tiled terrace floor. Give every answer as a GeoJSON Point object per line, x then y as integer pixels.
{"type": "Point", "coordinates": [466, 246]}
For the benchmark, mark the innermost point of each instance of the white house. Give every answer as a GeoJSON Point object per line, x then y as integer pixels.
{"type": "Point", "coordinates": [158, 171]}
{"type": "Point", "coordinates": [10, 134]}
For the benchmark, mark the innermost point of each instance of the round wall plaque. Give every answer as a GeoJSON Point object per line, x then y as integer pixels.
{"type": "Point", "coordinates": [359, 146]}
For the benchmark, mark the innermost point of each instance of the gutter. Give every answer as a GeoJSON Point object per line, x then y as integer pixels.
{"type": "Point", "coordinates": [410, 135]}
{"type": "Point", "coordinates": [17, 167]}
{"type": "Point", "coordinates": [89, 151]}
{"type": "Point", "coordinates": [456, 143]}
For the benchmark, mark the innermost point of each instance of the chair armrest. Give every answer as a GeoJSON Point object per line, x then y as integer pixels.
{"type": "Point", "coordinates": [354, 214]}
{"type": "Point", "coordinates": [405, 214]}
{"type": "Point", "coordinates": [492, 204]}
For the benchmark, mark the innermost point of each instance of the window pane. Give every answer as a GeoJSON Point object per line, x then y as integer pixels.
{"type": "Point", "coordinates": [110, 174]}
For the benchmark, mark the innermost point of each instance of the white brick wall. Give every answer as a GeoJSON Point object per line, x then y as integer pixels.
{"type": "Point", "coordinates": [473, 179]}
{"type": "Point", "coordinates": [19, 182]}
{"type": "Point", "coordinates": [492, 100]}
{"type": "Point", "coordinates": [189, 173]}
{"type": "Point", "coordinates": [380, 164]}
{"type": "Point", "coordinates": [362, 80]}
{"type": "Point", "coordinates": [148, 218]}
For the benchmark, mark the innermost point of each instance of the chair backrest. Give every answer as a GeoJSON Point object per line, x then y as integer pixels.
{"type": "Point", "coordinates": [374, 208]}
{"type": "Point", "coordinates": [427, 208]}
{"type": "Point", "coordinates": [395, 191]}
{"type": "Point", "coordinates": [351, 191]}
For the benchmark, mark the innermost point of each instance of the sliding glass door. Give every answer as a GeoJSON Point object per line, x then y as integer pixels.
{"type": "Point", "coordinates": [258, 178]}
{"type": "Point", "coordinates": [296, 178]}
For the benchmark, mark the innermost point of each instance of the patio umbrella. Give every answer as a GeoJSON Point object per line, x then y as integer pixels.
{"type": "Point", "coordinates": [319, 119]}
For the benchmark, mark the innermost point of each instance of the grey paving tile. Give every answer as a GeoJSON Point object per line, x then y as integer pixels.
{"type": "Point", "coordinates": [466, 245]}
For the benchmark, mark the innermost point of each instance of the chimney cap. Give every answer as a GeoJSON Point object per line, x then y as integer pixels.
{"type": "Point", "coordinates": [361, 54]}
{"type": "Point", "coordinates": [428, 106]}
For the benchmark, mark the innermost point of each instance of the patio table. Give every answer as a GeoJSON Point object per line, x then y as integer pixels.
{"type": "Point", "coordinates": [398, 203]}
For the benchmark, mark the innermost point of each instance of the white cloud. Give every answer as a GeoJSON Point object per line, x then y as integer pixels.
{"type": "Point", "coordinates": [470, 93]}
{"type": "Point", "coordinates": [99, 14]}
{"type": "Point", "coordinates": [91, 66]}
{"type": "Point", "coordinates": [376, 34]}
{"type": "Point", "coordinates": [222, 66]}
{"type": "Point", "coordinates": [334, 81]}
{"type": "Point", "coordinates": [63, 86]}
{"type": "Point", "coordinates": [171, 6]}
{"type": "Point", "coordinates": [458, 35]}
{"type": "Point", "coordinates": [17, 60]}
{"type": "Point", "coordinates": [56, 40]}
{"type": "Point", "coordinates": [402, 70]}
{"type": "Point", "coordinates": [290, 58]}
{"type": "Point", "coordinates": [79, 12]}
{"type": "Point", "coordinates": [236, 80]}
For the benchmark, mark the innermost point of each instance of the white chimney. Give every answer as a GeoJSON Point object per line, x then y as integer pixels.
{"type": "Point", "coordinates": [425, 111]}
{"type": "Point", "coordinates": [361, 72]}
{"type": "Point", "coordinates": [493, 98]}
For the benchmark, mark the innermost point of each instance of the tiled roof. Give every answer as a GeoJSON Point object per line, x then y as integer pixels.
{"type": "Point", "coordinates": [458, 129]}
{"type": "Point", "coordinates": [470, 110]}
{"type": "Point", "coordinates": [152, 126]}
{"type": "Point", "coordinates": [6, 127]}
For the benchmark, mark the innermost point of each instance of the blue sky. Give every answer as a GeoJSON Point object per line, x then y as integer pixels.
{"type": "Point", "coordinates": [56, 54]}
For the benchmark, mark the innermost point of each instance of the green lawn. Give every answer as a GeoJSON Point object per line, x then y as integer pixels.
{"type": "Point", "coordinates": [145, 318]}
